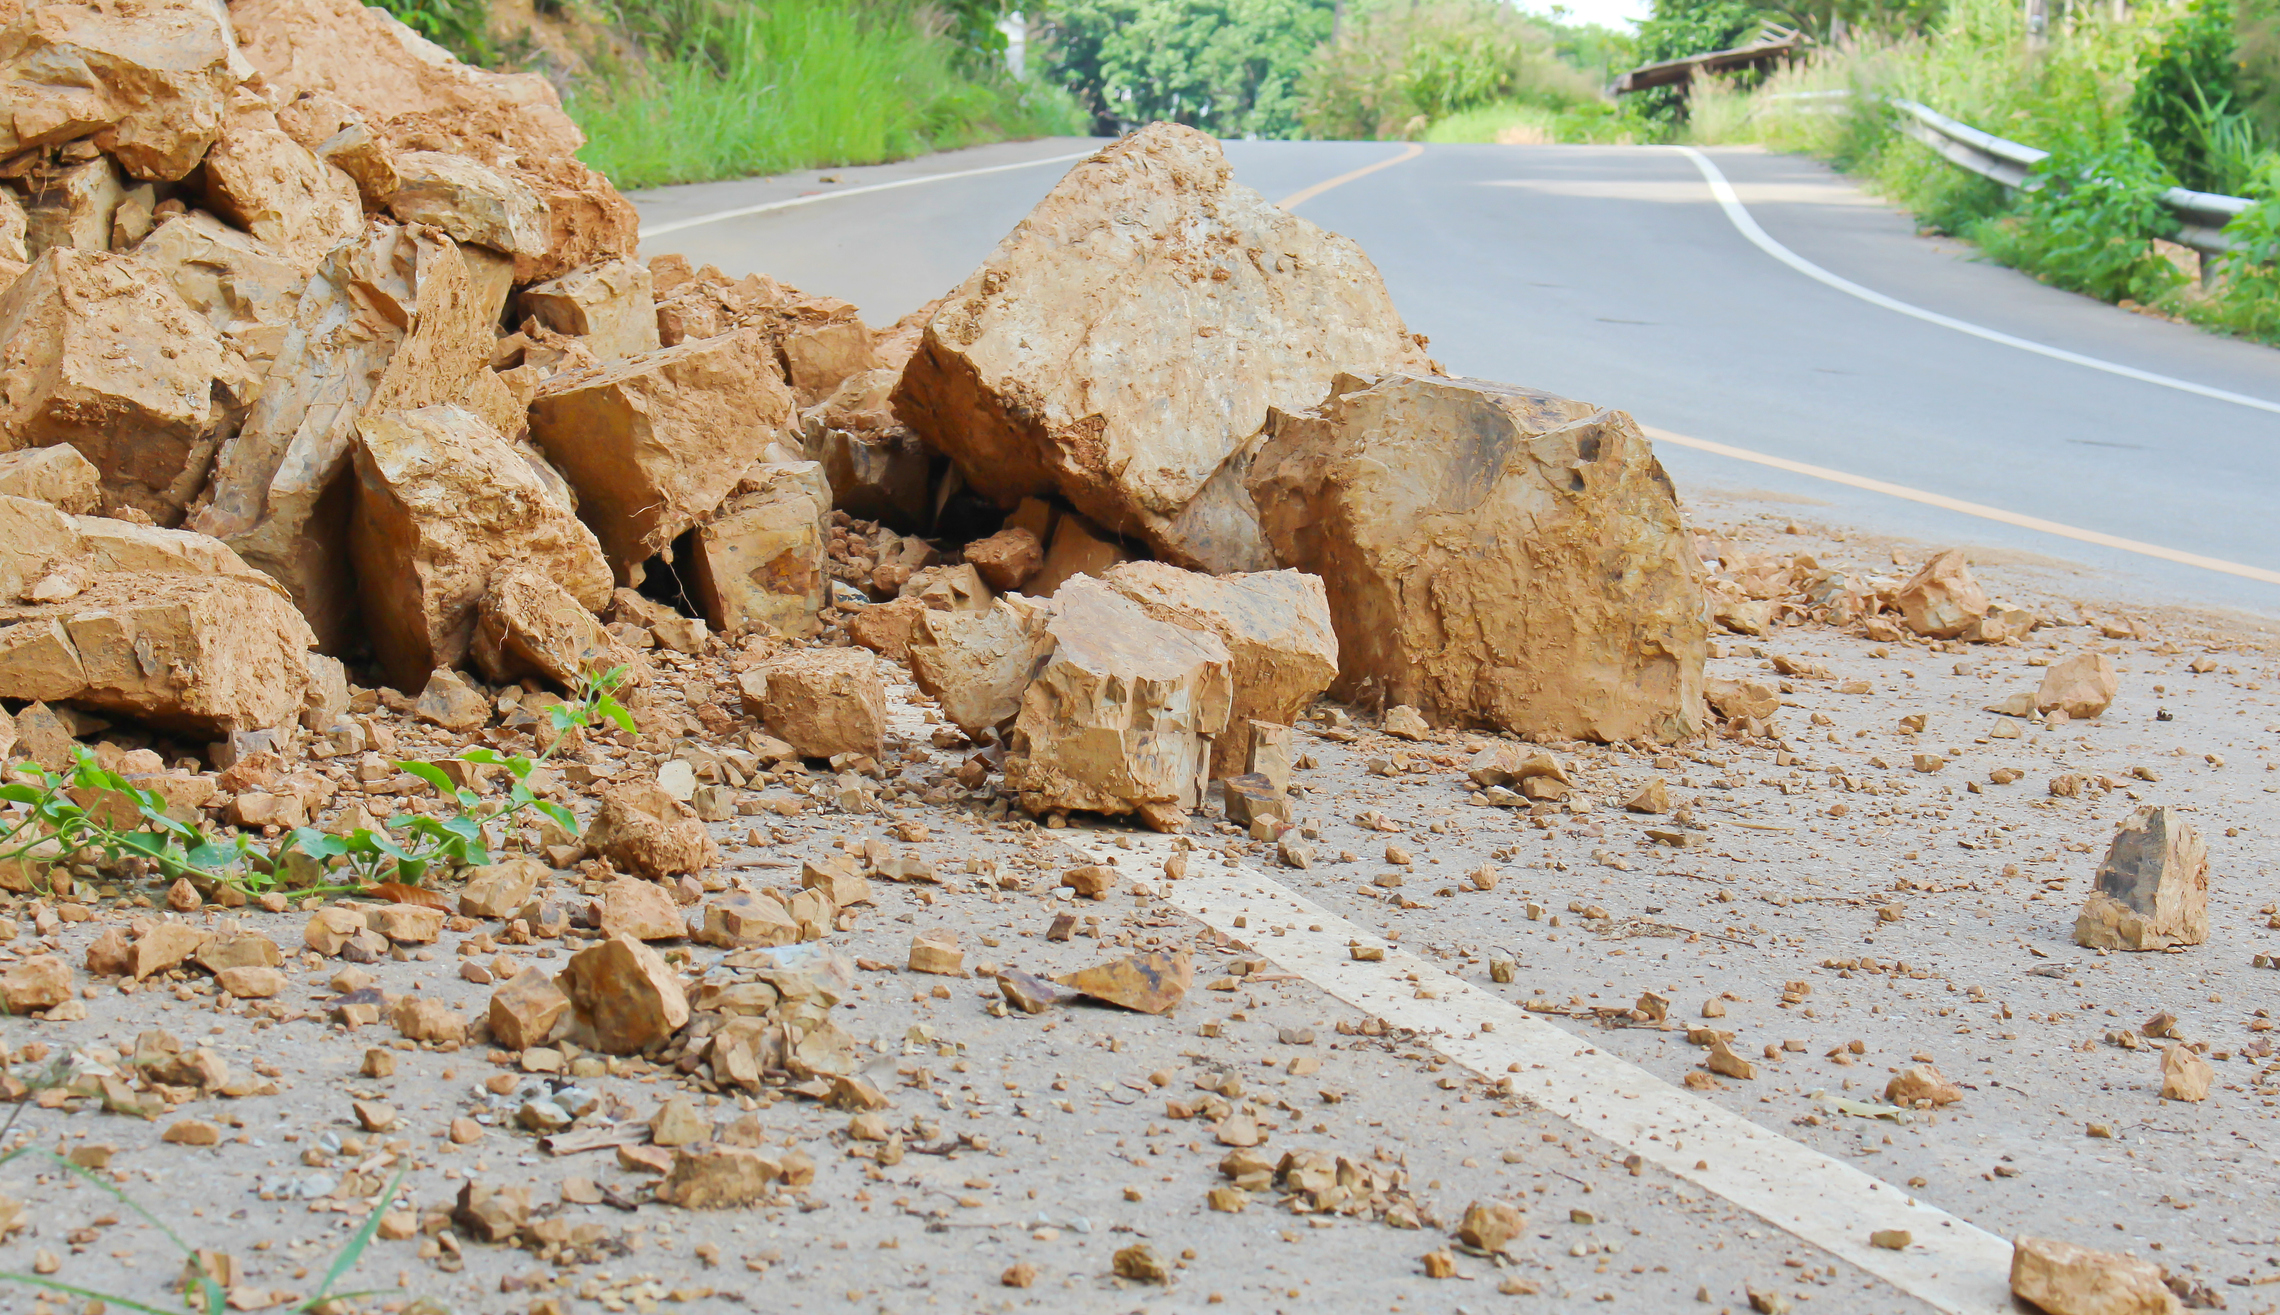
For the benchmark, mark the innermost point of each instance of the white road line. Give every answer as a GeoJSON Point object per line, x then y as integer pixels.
{"type": "Point", "coordinates": [674, 226]}
{"type": "Point", "coordinates": [1748, 226]}
{"type": "Point", "coordinates": [1953, 1265]}
{"type": "Point", "coordinates": [1978, 509]}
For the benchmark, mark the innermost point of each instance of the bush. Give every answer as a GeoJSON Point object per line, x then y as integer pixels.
{"type": "Point", "coordinates": [1400, 65]}
{"type": "Point", "coordinates": [2086, 222]}
{"type": "Point", "coordinates": [728, 90]}
{"type": "Point", "coordinates": [1229, 67]}
{"type": "Point", "coordinates": [2184, 92]}
{"type": "Point", "coordinates": [459, 26]}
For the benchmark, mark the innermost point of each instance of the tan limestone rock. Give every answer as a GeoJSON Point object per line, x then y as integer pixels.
{"type": "Point", "coordinates": [653, 443]}
{"type": "Point", "coordinates": [40, 982]}
{"type": "Point", "coordinates": [1492, 556]}
{"type": "Point", "coordinates": [718, 1177]}
{"type": "Point", "coordinates": [251, 983]}
{"type": "Point", "coordinates": [625, 994]}
{"type": "Point", "coordinates": [501, 889]}
{"type": "Point", "coordinates": [357, 151]}
{"type": "Point", "coordinates": [418, 1018]}
{"type": "Point", "coordinates": [738, 920]}
{"type": "Point", "coordinates": [1735, 700]}
{"type": "Point", "coordinates": [2060, 1278]}
{"type": "Point", "coordinates": [876, 467]}
{"type": "Point", "coordinates": [58, 476]}
{"type": "Point", "coordinates": [646, 831]}
{"type": "Point", "coordinates": [149, 84]}
{"type": "Point", "coordinates": [527, 624]}
{"type": "Point", "coordinates": [166, 945]}
{"type": "Point", "coordinates": [525, 1008]}
{"type": "Point", "coordinates": [826, 701]}
{"type": "Point", "coordinates": [1275, 624]}
{"type": "Point", "coordinates": [608, 305]}
{"type": "Point", "coordinates": [1079, 547]}
{"type": "Point", "coordinates": [2152, 888]}
{"type": "Point", "coordinates": [443, 504]}
{"type": "Point", "coordinates": [1922, 1085]}
{"type": "Point", "coordinates": [1121, 718]}
{"type": "Point", "coordinates": [471, 201]}
{"type": "Point", "coordinates": [1941, 600]}
{"type": "Point", "coordinates": [392, 322]}
{"type": "Point", "coordinates": [1129, 336]}
{"type": "Point", "coordinates": [641, 909]}
{"type": "Point", "coordinates": [202, 654]}
{"type": "Point", "coordinates": [819, 358]}
{"type": "Point", "coordinates": [760, 559]}
{"type": "Point", "coordinates": [2080, 686]}
{"type": "Point", "coordinates": [978, 664]}
{"type": "Point", "coordinates": [101, 356]}
{"type": "Point", "coordinates": [1008, 559]}
{"type": "Point", "coordinates": [1151, 982]}
{"type": "Point", "coordinates": [76, 206]}
{"type": "Point", "coordinates": [936, 951]}
{"type": "Point", "coordinates": [273, 187]}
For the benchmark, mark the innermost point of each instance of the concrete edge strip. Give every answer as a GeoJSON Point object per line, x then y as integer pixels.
{"type": "Point", "coordinates": [1953, 1265]}
{"type": "Point", "coordinates": [676, 225]}
{"type": "Point", "coordinates": [1747, 225]}
{"type": "Point", "coordinates": [1980, 510]}
{"type": "Point", "coordinates": [1306, 194]}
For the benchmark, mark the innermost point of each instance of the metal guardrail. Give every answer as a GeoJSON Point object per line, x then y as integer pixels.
{"type": "Point", "coordinates": [2201, 215]}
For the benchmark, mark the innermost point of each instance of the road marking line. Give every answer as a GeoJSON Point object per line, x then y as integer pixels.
{"type": "Point", "coordinates": [1954, 1266]}
{"type": "Point", "coordinates": [676, 225]}
{"type": "Point", "coordinates": [1748, 225]}
{"type": "Point", "coordinates": [1980, 510]}
{"type": "Point", "coordinates": [1306, 194]}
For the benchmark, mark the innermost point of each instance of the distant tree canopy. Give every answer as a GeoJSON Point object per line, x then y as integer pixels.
{"type": "Point", "coordinates": [1229, 67]}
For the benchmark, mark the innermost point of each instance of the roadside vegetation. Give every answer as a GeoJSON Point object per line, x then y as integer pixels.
{"type": "Point", "coordinates": [2128, 102]}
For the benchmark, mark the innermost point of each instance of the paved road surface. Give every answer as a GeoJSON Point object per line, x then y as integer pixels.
{"type": "Point", "coordinates": [1611, 274]}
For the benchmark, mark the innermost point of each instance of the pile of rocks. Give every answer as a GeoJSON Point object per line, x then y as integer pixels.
{"type": "Point", "coordinates": [331, 352]}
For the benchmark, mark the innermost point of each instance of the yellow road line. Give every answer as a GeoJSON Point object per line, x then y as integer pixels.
{"type": "Point", "coordinates": [1306, 194]}
{"type": "Point", "coordinates": [1980, 510]}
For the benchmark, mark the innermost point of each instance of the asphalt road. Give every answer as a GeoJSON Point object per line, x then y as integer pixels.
{"type": "Point", "coordinates": [1612, 274]}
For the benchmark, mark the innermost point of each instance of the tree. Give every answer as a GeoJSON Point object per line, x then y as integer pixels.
{"type": "Point", "coordinates": [1229, 67]}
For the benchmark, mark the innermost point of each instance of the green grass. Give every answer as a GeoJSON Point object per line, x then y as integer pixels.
{"type": "Point", "coordinates": [758, 88]}
{"type": "Point", "coordinates": [1519, 123]}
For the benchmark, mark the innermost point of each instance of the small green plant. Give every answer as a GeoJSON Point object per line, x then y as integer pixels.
{"type": "Point", "coordinates": [460, 26]}
{"type": "Point", "coordinates": [203, 1293]}
{"type": "Point", "coordinates": [92, 810]}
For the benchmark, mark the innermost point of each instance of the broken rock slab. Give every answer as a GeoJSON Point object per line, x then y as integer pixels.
{"type": "Point", "coordinates": [103, 357]}
{"type": "Point", "coordinates": [644, 830]}
{"type": "Point", "coordinates": [625, 995]}
{"type": "Point", "coordinates": [150, 84]}
{"type": "Point", "coordinates": [1277, 629]}
{"type": "Point", "coordinates": [264, 182]}
{"type": "Point", "coordinates": [654, 442]}
{"type": "Point", "coordinates": [826, 701]}
{"type": "Point", "coordinates": [58, 476]}
{"type": "Point", "coordinates": [206, 655]}
{"type": "Point", "coordinates": [442, 505]}
{"type": "Point", "coordinates": [1130, 335]}
{"type": "Point", "coordinates": [1941, 600]}
{"type": "Point", "coordinates": [979, 664]}
{"type": "Point", "coordinates": [1122, 717]}
{"type": "Point", "coordinates": [527, 624]}
{"type": "Point", "coordinates": [1153, 982]}
{"type": "Point", "coordinates": [760, 560]}
{"type": "Point", "coordinates": [877, 468]}
{"type": "Point", "coordinates": [2060, 1278]}
{"type": "Point", "coordinates": [608, 306]}
{"type": "Point", "coordinates": [1492, 555]}
{"type": "Point", "coordinates": [2152, 888]}
{"type": "Point", "coordinates": [2080, 686]}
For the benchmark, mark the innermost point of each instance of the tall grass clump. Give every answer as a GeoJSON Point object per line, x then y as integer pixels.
{"type": "Point", "coordinates": [722, 90]}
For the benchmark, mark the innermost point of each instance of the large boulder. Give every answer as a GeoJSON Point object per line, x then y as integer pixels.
{"type": "Point", "coordinates": [760, 559]}
{"type": "Point", "coordinates": [878, 469]}
{"type": "Point", "coordinates": [529, 625]}
{"type": "Point", "coordinates": [1121, 718]}
{"type": "Point", "coordinates": [1276, 625]}
{"type": "Point", "coordinates": [1127, 338]}
{"type": "Point", "coordinates": [244, 289]}
{"type": "Point", "coordinates": [1493, 556]}
{"type": "Point", "coordinates": [149, 82]}
{"type": "Point", "coordinates": [443, 504]}
{"type": "Point", "coordinates": [99, 355]}
{"type": "Point", "coordinates": [471, 201]}
{"type": "Point", "coordinates": [653, 443]}
{"type": "Point", "coordinates": [2152, 889]}
{"type": "Point", "coordinates": [273, 187]}
{"type": "Point", "coordinates": [203, 654]}
{"type": "Point", "coordinates": [977, 665]}
{"type": "Point", "coordinates": [391, 322]}
{"type": "Point", "coordinates": [610, 306]}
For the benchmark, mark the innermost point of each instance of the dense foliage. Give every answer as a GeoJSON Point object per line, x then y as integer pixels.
{"type": "Point", "coordinates": [1399, 66]}
{"type": "Point", "coordinates": [1229, 67]}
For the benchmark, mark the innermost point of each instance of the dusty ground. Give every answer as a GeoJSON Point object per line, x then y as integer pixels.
{"type": "Point", "coordinates": [1047, 1140]}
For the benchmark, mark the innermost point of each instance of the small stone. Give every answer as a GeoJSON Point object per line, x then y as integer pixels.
{"type": "Point", "coordinates": [1152, 982]}
{"type": "Point", "coordinates": [641, 909]}
{"type": "Point", "coordinates": [192, 1132]}
{"type": "Point", "coordinates": [677, 1123]}
{"type": "Point", "coordinates": [449, 701]}
{"type": "Point", "coordinates": [1021, 1274]}
{"type": "Point", "coordinates": [1724, 1062]}
{"type": "Point", "coordinates": [491, 1212]}
{"type": "Point", "coordinates": [1891, 1239]}
{"type": "Point", "coordinates": [1030, 995]}
{"type": "Point", "coordinates": [524, 1010]}
{"type": "Point", "coordinates": [1440, 1264]}
{"type": "Point", "coordinates": [2152, 889]}
{"type": "Point", "coordinates": [937, 952]}
{"type": "Point", "coordinates": [1921, 1086]}
{"type": "Point", "coordinates": [1653, 797]}
{"type": "Point", "coordinates": [182, 897]}
{"type": "Point", "coordinates": [626, 994]}
{"type": "Point", "coordinates": [1405, 722]}
{"type": "Point", "coordinates": [1140, 1264]}
{"type": "Point", "coordinates": [42, 982]}
{"type": "Point", "coordinates": [378, 1063]}
{"type": "Point", "coordinates": [418, 1018]}
{"type": "Point", "coordinates": [251, 983]}
{"type": "Point", "coordinates": [2185, 1075]}
{"type": "Point", "coordinates": [2063, 1279]}
{"type": "Point", "coordinates": [464, 1132]}
{"type": "Point", "coordinates": [1090, 882]}
{"type": "Point", "coordinates": [2081, 686]}
{"type": "Point", "coordinates": [372, 1116]}
{"type": "Point", "coordinates": [1489, 1225]}
{"type": "Point", "coordinates": [711, 1178]}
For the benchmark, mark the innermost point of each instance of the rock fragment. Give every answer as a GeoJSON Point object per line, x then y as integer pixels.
{"type": "Point", "coordinates": [979, 664]}
{"type": "Point", "coordinates": [2152, 888]}
{"type": "Point", "coordinates": [608, 305]}
{"type": "Point", "coordinates": [2185, 1075]}
{"type": "Point", "coordinates": [1122, 717]}
{"type": "Point", "coordinates": [2080, 686]}
{"type": "Point", "coordinates": [1552, 588]}
{"type": "Point", "coordinates": [825, 702]}
{"type": "Point", "coordinates": [1153, 982]}
{"type": "Point", "coordinates": [760, 559]}
{"type": "Point", "coordinates": [2060, 1278]}
{"type": "Point", "coordinates": [1922, 1087]}
{"type": "Point", "coordinates": [1007, 559]}
{"type": "Point", "coordinates": [644, 830]}
{"type": "Point", "coordinates": [1122, 346]}
{"type": "Point", "coordinates": [527, 624]}
{"type": "Point", "coordinates": [625, 995]}
{"type": "Point", "coordinates": [1941, 600]}
{"type": "Point", "coordinates": [525, 1008]}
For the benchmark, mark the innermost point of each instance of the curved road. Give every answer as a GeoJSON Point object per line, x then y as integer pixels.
{"type": "Point", "coordinates": [1612, 274]}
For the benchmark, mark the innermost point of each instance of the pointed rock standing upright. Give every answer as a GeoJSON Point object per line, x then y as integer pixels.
{"type": "Point", "coordinates": [1494, 556]}
{"type": "Point", "coordinates": [1124, 342]}
{"type": "Point", "coordinates": [2153, 887]}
